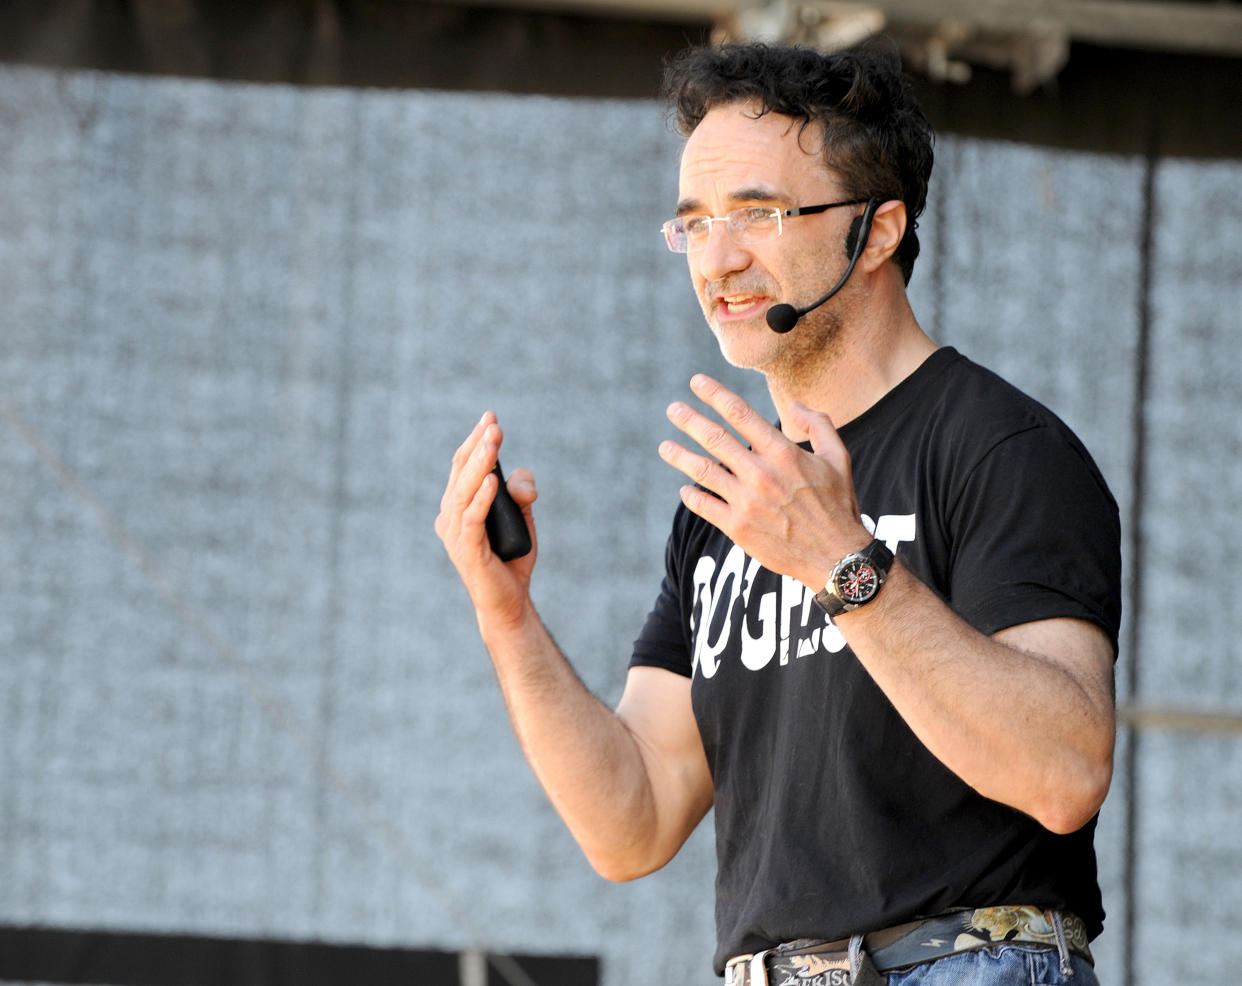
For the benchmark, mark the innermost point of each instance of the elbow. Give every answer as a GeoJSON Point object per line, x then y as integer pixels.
{"type": "Point", "coordinates": [1076, 799]}
{"type": "Point", "coordinates": [629, 860]}
{"type": "Point", "coordinates": [620, 870]}
{"type": "Point", "coordinates": [618, 874]}
{"type": "Point", "coordinates": [1065, 819]}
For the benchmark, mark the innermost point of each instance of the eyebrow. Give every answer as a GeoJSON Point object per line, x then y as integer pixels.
{"type": "Point", "coordinates": [756, 193]}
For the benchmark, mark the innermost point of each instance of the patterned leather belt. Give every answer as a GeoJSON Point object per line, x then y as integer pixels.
{"type": "Point", "coordinates": [811, 963]}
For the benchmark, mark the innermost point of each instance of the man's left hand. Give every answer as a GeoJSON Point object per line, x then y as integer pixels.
{"type": "Point", "coordinates": [793, 511]}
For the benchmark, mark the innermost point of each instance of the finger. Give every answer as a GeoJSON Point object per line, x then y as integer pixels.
{"type": "Point", "coordinates": [464, 532]}
{"type": "Point", "coordinates": [463, 452]}
{"type": "Point", "coordinates": [713, 437]}
{"type": "Point", "coordinates": [825, 441]}
{"type": "Point", "coordinates": [462, 499]}
{"type": "Point", "coordinates": [474, 512]}
{"type": "Point", "coordinates": [471, 471]}
{"type": "Point", "coordinates": [702, 470]}
{"type": "Point", "coordinates": [711, 508]}
{"type": "Point", "coordinates": [739, 415]}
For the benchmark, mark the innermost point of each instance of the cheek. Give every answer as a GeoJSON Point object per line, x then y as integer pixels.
{"type": "Point", "coordinates": [697, 281]}
{"type": "Point", "coordinates": [821, 265]}
{"type": "Point", "coordinates": [693, 270]}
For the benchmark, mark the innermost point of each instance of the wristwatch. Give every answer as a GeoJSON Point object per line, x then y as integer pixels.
{"type": "Point", "coordinates": [856, 580]}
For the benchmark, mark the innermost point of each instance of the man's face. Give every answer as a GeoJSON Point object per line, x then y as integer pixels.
{"type": "Point", "coordinates": [731, 160]}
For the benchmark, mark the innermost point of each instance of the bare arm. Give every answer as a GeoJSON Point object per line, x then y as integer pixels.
{"type": "Point", "coordinates": [630, 785]}
{"type": "Point", "coordinates": [1024, 717]}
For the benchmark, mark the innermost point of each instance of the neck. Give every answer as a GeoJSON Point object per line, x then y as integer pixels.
{"type": "Point", "coordinates": [863, 361]}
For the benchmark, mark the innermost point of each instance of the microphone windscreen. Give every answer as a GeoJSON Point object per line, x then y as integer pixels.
{"type": "Point", "coordinates": [782, 318]}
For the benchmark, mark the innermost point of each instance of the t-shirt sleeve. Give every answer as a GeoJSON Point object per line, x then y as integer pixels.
{"type": "Point", "coordinates": [1036, 535]}
{"type": "Point", "coordinates": [662, 642]}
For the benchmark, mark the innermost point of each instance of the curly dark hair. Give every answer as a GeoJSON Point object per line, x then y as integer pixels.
{"type": "Point", "coordinates": [876, 137]}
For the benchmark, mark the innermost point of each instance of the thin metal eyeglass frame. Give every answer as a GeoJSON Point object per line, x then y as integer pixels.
{"type": "Point", "coordinates": [780, 214]}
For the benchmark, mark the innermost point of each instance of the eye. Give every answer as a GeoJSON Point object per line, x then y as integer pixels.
{"type": "Point", "coordinates": [756, 216]}
{"type": "Point", "coordinates": [696, 225]}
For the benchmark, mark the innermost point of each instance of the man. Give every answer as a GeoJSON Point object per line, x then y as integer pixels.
{"type": "Point", "coordinates": [906, 754]}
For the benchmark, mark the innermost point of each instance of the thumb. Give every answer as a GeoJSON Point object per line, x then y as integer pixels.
{"type": "Point", "coordinates": [822, 434]}
{"type": "Point", "coordinates": [522, 487]}
{"type": "Point", "coordinates": [816, 425]}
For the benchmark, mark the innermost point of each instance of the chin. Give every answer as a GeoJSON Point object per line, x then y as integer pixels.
{"type": "Point", "coordinates": [748, 347]}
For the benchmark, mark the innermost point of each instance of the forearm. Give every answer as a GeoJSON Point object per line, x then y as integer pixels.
{"type": "Point", "coordinates": [1025, 718]}
{"type": "Point", "coordinates": [630, 785]}
{"type": "Point", "coordinates": [604, 780]}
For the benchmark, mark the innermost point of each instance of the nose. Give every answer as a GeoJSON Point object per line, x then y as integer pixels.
{"type": "Point", "coordinates": [721, 255]}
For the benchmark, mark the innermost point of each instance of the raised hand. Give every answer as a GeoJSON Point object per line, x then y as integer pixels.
{"type": "Point", "coordinates": [794, 511]}
{"type": "Point", "coordinates": [499, 590]}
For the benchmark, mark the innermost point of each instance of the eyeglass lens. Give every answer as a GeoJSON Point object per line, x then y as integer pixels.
{"type": "Point", "coordinates": [745, 226]}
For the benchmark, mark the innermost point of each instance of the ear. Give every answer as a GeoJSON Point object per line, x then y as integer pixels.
{"type": "Point", "coordinates": [887, 229]}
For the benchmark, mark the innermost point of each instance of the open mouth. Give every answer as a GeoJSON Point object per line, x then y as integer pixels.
{"type": "Point", "coordinates": [740, 305]}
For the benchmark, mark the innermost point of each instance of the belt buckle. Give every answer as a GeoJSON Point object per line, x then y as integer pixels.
{"type": "Point", "coordinates": [735, 970]}
{"type": "Point", "coordinates": [758, 971]}
{"type": "Point", "coordinates": [748, 969]}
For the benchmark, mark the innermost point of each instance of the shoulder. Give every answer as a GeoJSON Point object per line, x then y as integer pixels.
{"type": "Point", "coordinates": [950, 392]}
{"type": "Point", "coordinates": [973, 412]}
{"type": "Point", "coordinates": [972, 395]}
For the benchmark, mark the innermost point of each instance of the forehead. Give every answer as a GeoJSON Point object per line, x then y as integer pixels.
{"type": "Point", "coordinates": [734, 155]}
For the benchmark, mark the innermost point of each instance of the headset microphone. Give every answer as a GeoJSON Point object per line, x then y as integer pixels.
{"type": "Point", "coordinates": [783, 317]}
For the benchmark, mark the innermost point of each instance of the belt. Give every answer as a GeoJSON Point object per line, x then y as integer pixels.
{"type": "Point", "coordinates": [814, 963]}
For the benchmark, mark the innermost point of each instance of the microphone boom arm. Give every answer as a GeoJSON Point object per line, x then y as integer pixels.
{"type": "Point", "coordinates": [783, 317]}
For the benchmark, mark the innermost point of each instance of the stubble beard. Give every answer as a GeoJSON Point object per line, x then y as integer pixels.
{"type": "Point", "coordinates": [795, 358]}
{"type": "Point", "coordinates": [817, 340]}
{"type": "Point", "coordinates": [790, 360]}
{"type": "Point", "coordinates": [814, 343]}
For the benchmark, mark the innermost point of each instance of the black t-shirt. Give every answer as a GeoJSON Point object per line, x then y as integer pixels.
{"type": "Point", "coordinates": [831, 817]}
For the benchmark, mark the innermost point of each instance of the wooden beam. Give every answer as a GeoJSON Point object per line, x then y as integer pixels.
{"type": "Point", "coordinates": [1198, 27]}
{"type": "Point", "coordinates": [1183, 720]}
{"type": "Point", "coordinates": [1206, 28]}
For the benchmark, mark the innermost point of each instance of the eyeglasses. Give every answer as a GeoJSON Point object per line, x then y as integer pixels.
{"type": "Point", "coordinates": [750, 224]}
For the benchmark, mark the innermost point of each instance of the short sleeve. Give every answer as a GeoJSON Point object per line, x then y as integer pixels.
{"type": "Point", "coordinates": [1036, 535]}
{"type": "Point", "coordinates": [663, 640]}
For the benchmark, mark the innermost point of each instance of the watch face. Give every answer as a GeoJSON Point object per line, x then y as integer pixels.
{"type": "Point", "coordinates": [857, 581]}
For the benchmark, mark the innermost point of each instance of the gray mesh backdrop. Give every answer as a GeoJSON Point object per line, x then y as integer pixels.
{"type": "Point", "coordinates": [244, 328]}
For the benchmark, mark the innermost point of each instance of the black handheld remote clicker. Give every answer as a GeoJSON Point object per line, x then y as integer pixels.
{"type": "Point", "coordinates": [506, 527]}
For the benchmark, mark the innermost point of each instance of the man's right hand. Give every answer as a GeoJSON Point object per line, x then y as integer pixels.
{"type": "Point", "coordinates": [500, 591]}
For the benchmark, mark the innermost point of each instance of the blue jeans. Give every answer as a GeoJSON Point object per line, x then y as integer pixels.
{"type": "Point", "coordinates": [998, 965]}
